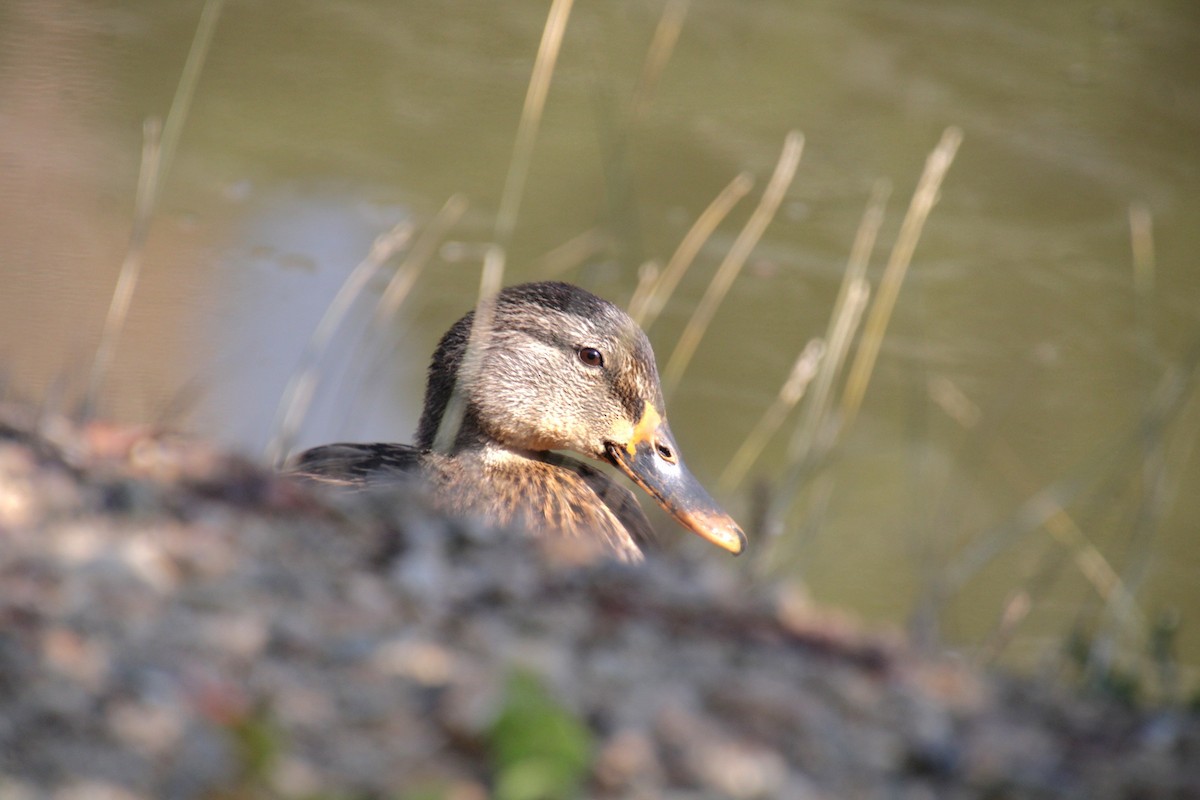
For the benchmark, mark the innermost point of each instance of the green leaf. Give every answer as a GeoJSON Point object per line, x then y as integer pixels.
{"type": "Point", "coordinates": [539, 749]}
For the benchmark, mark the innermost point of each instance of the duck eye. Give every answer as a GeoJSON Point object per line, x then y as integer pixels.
{"type": "Point", "coordinates": [591, 356]}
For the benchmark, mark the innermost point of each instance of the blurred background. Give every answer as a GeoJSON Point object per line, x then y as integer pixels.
{"type": "Point", "coordinates": [1022, 479]}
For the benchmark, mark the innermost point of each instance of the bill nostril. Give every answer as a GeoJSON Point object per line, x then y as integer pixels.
{"type": "Point", "coordinates": [665, 452]}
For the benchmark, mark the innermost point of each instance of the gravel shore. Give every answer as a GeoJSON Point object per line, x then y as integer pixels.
{"type": "Point", "coordinates": [176, 622]}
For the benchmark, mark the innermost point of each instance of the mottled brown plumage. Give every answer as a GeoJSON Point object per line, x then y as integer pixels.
{"type": "Point", "coordinates": [557, 369]}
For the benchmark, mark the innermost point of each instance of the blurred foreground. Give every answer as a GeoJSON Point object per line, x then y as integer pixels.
{"type": "Point", "coordinates": [179, 623]}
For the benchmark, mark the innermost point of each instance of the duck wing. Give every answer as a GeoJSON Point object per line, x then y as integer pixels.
{"type": "Point", "coordinates": [358, 465]}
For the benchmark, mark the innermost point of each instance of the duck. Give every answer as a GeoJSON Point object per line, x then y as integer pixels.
{"type": "Point", "coordinates": [550, 369]}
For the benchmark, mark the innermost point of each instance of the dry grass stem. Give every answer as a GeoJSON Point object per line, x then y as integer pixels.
{"type": "Point", "coordinates": [1097, 569]}
{"type": "Point", "coordinates": [1170, 403]}
{"type": "Point", "coordinates": [843, 323]}
{"type": "Point", "coordinates": [531, 116]}
{"type": "Point", "coordinates": [491, 278]}
{"type": "Point", "coordinates": [953, 401]}
{"type": "Point", "coordinates": [1046, 509]}
{"type": "Point", "coordinates": [571, 253]}
{"type": "Point", "coordinates": [414, 263]}
{"type": "Point", "coordinates": [1171, 400]}
{"type": "Point", "coordinates": [1015, 610]}
{"type": "Point", "coordinates": [936, 166]}
{"type": "Point", "coordinates": [1164, 460]}
{"type": "Point", "coordinates": [1061, 525]}
{"type": "Point", "coordinates": [506, 217]}
{"type": "Point", "coordinates": [131, 265]}
{"type": "Point", "coordinates": [785, 170]}
{"type": "Point", "coordinates": [659, 53]}
{"type": "Point", "coordinates": [615, 134]}
{"type": "Point", "coordinates": [648, 274]}
{"type": "Point", "coordinates": [181, 103]}
{"type": "Point", "coordinates": [397, 291]}
{"type": "Point", "coordinates": [848, 308]}
{"type": "Point", "coordinates": [1141, 240]}
{"type": "Point", "coordinates": [803, 370]}
{"type": "Point", "coordinates": [293, 405]}
{"type": "Point", "coordinates": [158, 152]}
{"type": "Point", "coordinates": [820, 430]}
{"type": "Point", "coordinates": [816, 432]}
{"type": "Point", "coordinates": [648, 302]}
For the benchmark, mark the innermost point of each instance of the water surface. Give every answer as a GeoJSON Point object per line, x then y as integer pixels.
{"type": "Point", "coordinates": [318, 125]}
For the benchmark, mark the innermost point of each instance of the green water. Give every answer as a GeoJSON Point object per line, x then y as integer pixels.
{"type": "Point", "coordinates": [318, 125]}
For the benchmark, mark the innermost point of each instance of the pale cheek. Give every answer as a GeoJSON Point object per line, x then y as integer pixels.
{"type": "Point", "coordinates": [556, 434]}
{"type": "Point", "coordinates": [531, 425]}
{"type": "Point", "coordinates": [621, 431]}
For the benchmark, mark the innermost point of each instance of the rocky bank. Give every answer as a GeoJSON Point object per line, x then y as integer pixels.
{"type": "Point", "coordinates": [176, 622]}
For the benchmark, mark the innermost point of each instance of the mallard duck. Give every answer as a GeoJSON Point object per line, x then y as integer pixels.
{"type": "Point", "coordinates": [562, 369]}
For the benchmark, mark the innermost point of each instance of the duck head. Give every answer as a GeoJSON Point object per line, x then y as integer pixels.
{"type": "Point", "coordinates": [562, 369]}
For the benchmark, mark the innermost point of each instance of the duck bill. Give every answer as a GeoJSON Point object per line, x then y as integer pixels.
{"type": "Point", "coordinates": [652, 462]}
